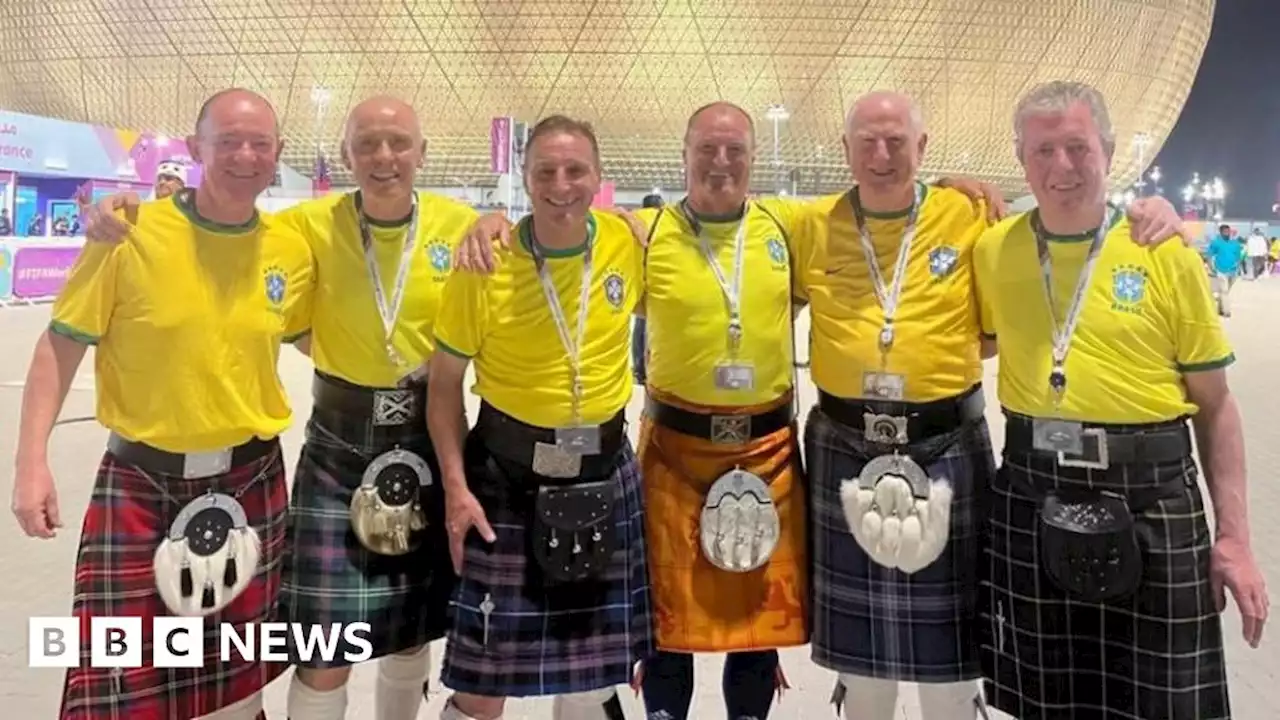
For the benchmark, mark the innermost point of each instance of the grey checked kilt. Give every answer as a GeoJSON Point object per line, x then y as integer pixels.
{"type": "Point", "coordinates": [878, 622]}
{"type": "Point", "coordinates": [329, 576]}
{"type": "Point", "coordinates": [545, 639]}
{"type": "Point", "coordinates": [1155, 656]}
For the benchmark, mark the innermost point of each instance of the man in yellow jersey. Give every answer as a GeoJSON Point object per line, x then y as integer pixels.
{"type": "Point", "coordinates": [188, 511]}
{"type": "Point", "coordinates": [553, 597]}
{"type": "Point", "coordinates": [897, 448]}
{"type": "Point", "coordinates": [367, 540]}
{"type": "Point", "coordinates": [1102, 590]}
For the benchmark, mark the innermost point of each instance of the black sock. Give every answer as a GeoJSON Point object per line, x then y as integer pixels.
{"type": "Point", "coordinates": [749, 684]}
{"type": "Point", "coordinates": [668, 684]}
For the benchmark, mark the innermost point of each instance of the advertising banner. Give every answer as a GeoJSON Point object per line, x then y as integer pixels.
{"type": "Point", "coordinates": [41, 272]}
{"type": "Point", "coordinates": [6, 273]}
{"type": "Point", "coordinates": [500, 145]}
{"type": "Point", "coordinates": [604, 198]}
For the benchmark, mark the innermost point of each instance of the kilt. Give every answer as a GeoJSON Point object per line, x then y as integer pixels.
{"type": "Point", "coordinates": [329, 576]}
{"type": "Point", "coordinates": [1157, 654]}
{"type": "Point", "coordinates": [548, 639]}
{"type": "Point", "coordinates": [878, 622]}
{"type": "Point", "coordinates": [698, 607]}
{"type": "Point", "coordinates": [128, 515]}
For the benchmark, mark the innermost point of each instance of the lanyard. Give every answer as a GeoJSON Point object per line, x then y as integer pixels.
{"type": "Point", "coordinates": [1063, 333]}
{"type": "Point", "coordinates": [732, 293]}
{"type": "Point", "coordinates": [389, 311]}
{"type": "Point", "coordinates": [572, 346]}
{"type": "Point", "coordinates": [888, 296]}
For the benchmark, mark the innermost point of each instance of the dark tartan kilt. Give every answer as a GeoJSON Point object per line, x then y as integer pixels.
{"type": "Point", "coordinates": [548, 639]}
{"type": "Point", "coordinates": [873, 621]}
{"type": "Point", "coordinates": [329, 576]}
{"type": "Point", "coordinates": [1155, 656]}
{"type": "Point", "coordinates": [128, 515]}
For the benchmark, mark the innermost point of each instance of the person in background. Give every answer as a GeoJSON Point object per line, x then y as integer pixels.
{"type": "Point", "coordinates": [1273, 254]}
{"type": "Point", "coordinates": [1256, 250]}
{"type": "Point", "coordinates": [639, 354]}
{"type": "Point", "coordinates": [171, 177]}
{"type": "Point", "coordinates": [35, 228]}
{"type": "Point", "coordinates": [6, 225]}
{"type": "Point", "coordinates": [1103, 586]}
{"type": "Point", "coordinates": [1225, 255]}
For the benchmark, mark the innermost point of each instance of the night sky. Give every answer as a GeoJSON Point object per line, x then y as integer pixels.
{"type": "Point", "coordinates": [1230, 125]}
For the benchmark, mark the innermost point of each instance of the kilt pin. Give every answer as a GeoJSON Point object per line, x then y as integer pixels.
{"type": "Point", "coordinates": [879, 622]}
{"type": "Point", "coordinates": [129, 514]}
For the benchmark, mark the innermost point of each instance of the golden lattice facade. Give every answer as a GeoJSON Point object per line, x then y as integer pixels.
{"type": "Point", "coordinates": [635, 68]}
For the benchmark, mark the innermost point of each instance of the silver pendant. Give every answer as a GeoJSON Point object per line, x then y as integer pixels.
{"type": "Point", "coordinates": [886, 337]}
{"type": "Point", "coordinates": [735, 335]}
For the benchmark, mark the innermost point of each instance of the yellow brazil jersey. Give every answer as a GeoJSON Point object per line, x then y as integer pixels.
{"type": "Point", "coordinates": [687, 312]}
{"type": "Point", "coordinates": [502, 322]}
{"type": "Point", "coordinates": [936, 346]}
{"type": "Point", "coordinates": [188, 318]}
{"type": "Point", "coordinates": [348, 337]}
{"type": "Point", "coordinates": [1148, 317]}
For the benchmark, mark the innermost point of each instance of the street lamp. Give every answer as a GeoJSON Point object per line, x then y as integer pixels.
{"type": "Point", "coordinates": [777, 114]}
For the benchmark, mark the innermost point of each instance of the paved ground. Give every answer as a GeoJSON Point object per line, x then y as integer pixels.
{"type": "Point", "coordinates": [37, 575]}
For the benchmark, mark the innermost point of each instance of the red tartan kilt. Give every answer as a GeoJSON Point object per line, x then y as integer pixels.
{"type": "Point", "coordinates": [128, 516]}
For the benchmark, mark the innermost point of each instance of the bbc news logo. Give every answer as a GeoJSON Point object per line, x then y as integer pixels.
{"type": "Point", "coordinates": [179, 642]}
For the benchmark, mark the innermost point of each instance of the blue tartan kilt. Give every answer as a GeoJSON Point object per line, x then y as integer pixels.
{"type": "Point", "coordinates": [330, 577]}
{"type": "Point", "coordinates": [547, 639]}
{"type": "Point", "coordinates": [878, 622]}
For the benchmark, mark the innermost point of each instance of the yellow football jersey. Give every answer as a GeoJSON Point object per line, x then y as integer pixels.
{"type": "Point", "coordinates": [188, 317]}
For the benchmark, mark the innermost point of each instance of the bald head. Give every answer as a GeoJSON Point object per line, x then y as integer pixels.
{"type": "Point", "coordinates": [233, 101]}
{"type": "Point", "coordinates": [382, 145]}
{"type": "Point", "coordinates": [884, 104]}
{"type": "Point", "coordinates": [720, 113]}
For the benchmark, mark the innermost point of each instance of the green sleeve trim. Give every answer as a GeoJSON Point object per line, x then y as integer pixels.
{"type": "Point", "coordinates": [71, 333]}
{"type": "Point", "coordinates": [988, 336]}
{"type": "Point", "coordinates": [442, 345]}
{"type": "Point", "coordinates": [1207, 366]}
{"type": "Point", "coordinates": [291, 339]}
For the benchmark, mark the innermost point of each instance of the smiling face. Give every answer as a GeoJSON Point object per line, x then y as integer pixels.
{"type": "Point", "coordinates": [884, 142]}
{"type": "Point", "coordinates": [238, 144]}
{"type": "Point", "coordinates": [719, 150]}
{"type": "Point", "coordinates": [562, 172]}
{"type": "Point", "coordinates": [1065, 159]}
{"type": "Point", "coordinates": [383, 147]}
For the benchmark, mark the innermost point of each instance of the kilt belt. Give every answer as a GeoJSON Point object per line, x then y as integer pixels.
{"type": "Point", "coordinates": [516, 442]}
{"type": "Point", "coordinates": [382, 407]}
{"type": "Point", "coordinates": [889, 425]}
{"type": "Point", "coordinates": [189, 466]}
{"type": "Point", "coordinates": [721, 429]}
{"type": "Point", "coordinates": [1106, 445]}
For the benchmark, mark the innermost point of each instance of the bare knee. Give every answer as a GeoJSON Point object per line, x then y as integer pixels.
{"type": "Point", "coordinates": [479, 707]}
{"type": "Point", "coordinates": [324, 679]}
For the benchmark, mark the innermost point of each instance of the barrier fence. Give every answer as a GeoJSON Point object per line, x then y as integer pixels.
{"type": "Point", "coordinates": [34, 270]}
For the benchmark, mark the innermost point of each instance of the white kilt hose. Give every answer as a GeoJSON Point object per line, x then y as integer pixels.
{"type": "Point", "coordinates": [880, 621]}
{"type": "Point", "coordinates": [1050, 648]}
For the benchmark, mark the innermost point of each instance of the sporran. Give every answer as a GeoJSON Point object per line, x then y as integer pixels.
{"type": "Point", "coordinates": [739, 527]}
{"type": "Point", "coordinates": [208, 557]}
{"type": "Point", "coordinates": [897, 514]}
{"type": "Point", "coordinates": [386, 510]}
{"type": "Point", "coordinates": [574, 534]}
{"type": "Point", "coordinates": [1089, 546]}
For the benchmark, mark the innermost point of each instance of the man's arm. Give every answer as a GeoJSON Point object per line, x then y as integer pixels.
{"type": "Point", "coordinates": [1220, 440]}
{"type": "Point", "coordinates": [53, 369]}
{"type": "Point", "coordinates": [446, 417]}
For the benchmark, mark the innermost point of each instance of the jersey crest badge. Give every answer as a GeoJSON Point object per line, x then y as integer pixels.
{"type": "Point", "coordinates": [615, 289]}
{"type": "Point", "coordinates": [439, 254]}
{"type": "Point", "coordinates": [777, 252]}
{"type": "Point", "coordinates": [276, 283]}
{"type": "Point", "coordinates": [1128, 287]}
{"type": "Point", "coordinates": [942, 261]}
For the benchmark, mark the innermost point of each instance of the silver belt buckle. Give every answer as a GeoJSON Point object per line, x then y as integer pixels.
{"type": "Point", "coordinates": [885, 429]}
{"type": "Point", "coordinates": [1103, 460]}
{"type": "Point", "coordinates": [208, 464]}
{"type": "Point", "coordinates": [393, 407]}
{"type": "Point", "coordinates": [730, 429]}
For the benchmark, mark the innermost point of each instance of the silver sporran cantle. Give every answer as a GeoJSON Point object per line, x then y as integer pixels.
{"type": "Point", "coordinates": [208, 557]}
{"type": "Point", "coordinates": [898, 515]}
{"type": "Point", "coordinates": [386, 510]}
{"type": "Point", "coordinates": [739, 526]}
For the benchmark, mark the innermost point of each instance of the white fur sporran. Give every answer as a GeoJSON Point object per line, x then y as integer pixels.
{"type": "Point", "coordinates": [208, 557]}
{"type": "Point", "coordinates": [740, 525]}
{"type": "Point", "coordinates": [386, 510]}
{"type": "Point", "coordinates": [897, 514]}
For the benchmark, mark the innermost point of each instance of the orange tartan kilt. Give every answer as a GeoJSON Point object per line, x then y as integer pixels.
{"type": "Point", "coordinates": [699, 607]}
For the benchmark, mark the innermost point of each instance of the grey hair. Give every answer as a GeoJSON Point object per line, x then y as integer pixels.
{"type": "Point", "coordinates": [1057, 97]}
